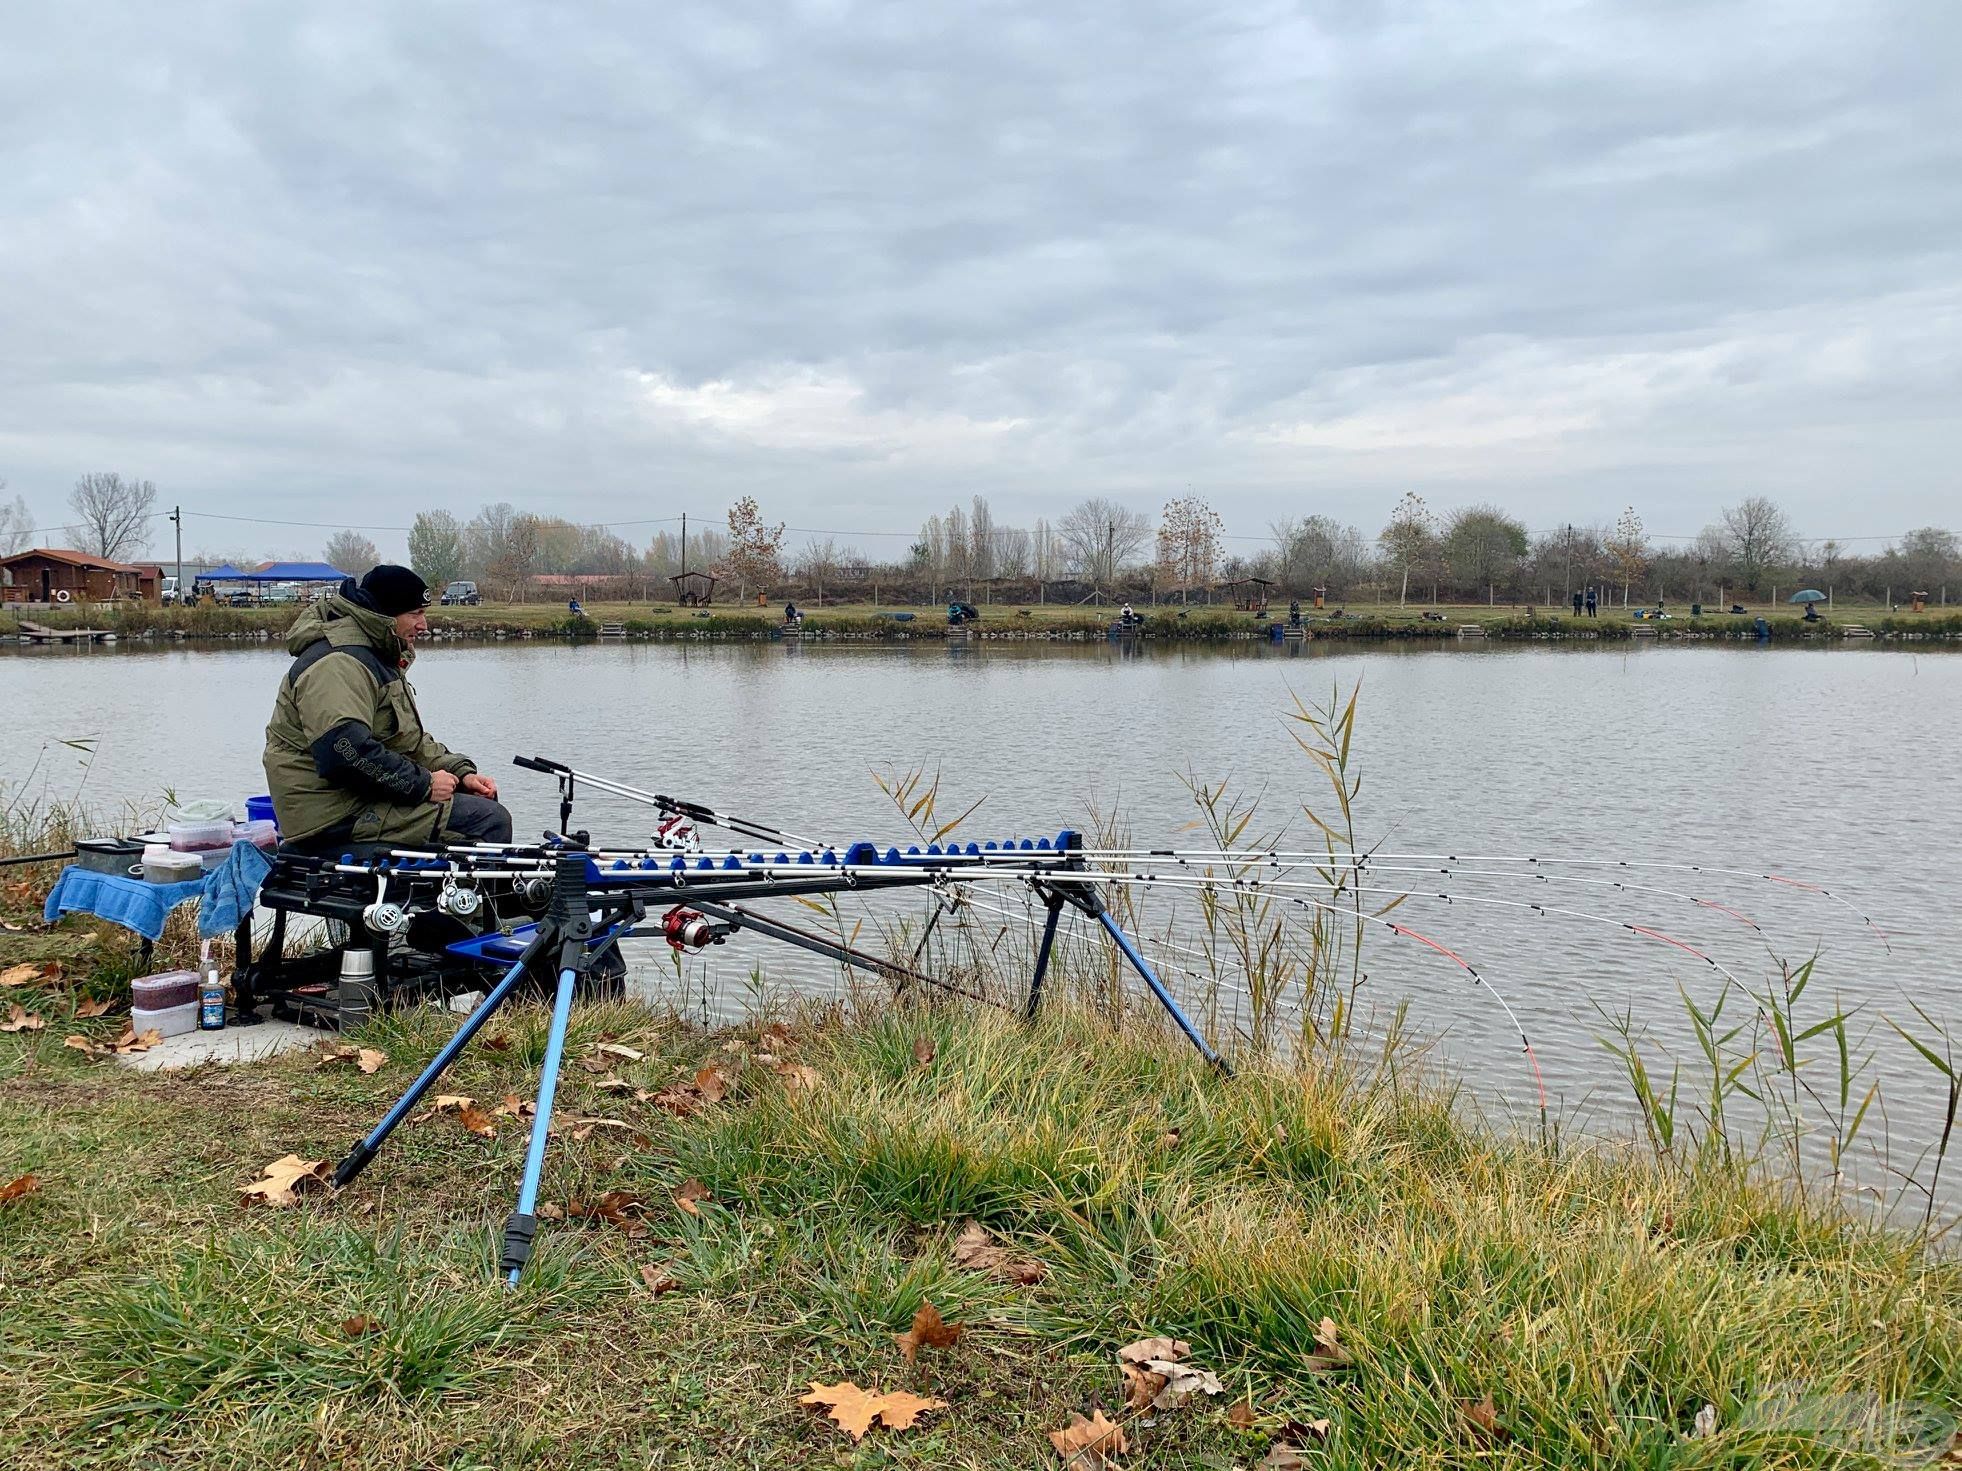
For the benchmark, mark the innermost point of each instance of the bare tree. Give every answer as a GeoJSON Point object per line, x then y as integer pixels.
{"type": "Point", "coordinates": [1629, 547]}
{"type": "Point", "coordinates": [1044, 551]}
{"type": "Point", "coordinates": [981, 541]}
{"type": "Point", "coordinates": [16, 525]}
{"type": "Point", "coordinates": [1011, 552]}
{"type": "Point", "coordinates": [115, 514]}
{"type": "Point", "coordinates": [1410, 540]}
{"type": "Point", "coordinates": [817, 565]}
{"type": "Point", "coordinates": [1757, 536]}
{"type": "Point", "coordinates": [1099, 536]}
{"type": "Point", "coordinates": [352, 552]}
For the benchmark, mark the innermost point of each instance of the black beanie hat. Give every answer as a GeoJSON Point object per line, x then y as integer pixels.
{"type": "Point", "coordinates": [390, 589]}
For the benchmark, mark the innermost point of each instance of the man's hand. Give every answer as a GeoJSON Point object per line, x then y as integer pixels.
{"type": "Point", "coordinates": [483, 786]}
{"type": "Point", "coordinates": [442, 786]}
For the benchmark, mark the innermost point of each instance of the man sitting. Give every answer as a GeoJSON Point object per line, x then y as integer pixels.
{"type": "Point", "coordinates": [347, 759]}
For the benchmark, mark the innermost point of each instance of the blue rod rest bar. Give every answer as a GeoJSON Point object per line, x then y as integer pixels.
{"type": "Point", "coordinates": [1143, 968]}
{"type": "Point", "coordinates": [526, 1217]}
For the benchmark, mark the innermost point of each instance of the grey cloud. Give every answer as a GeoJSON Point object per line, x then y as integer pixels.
{"type": "Point", "coordinates": [372, 257]}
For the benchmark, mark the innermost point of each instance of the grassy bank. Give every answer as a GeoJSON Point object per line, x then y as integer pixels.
{"type": "Point", "coordinates": [1171, 623]}
{"type": "Point", "coordinates": [1491, 1302]}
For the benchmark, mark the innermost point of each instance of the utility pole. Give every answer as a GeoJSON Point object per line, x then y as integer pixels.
{"type": "Point", "coordinates": [1110, 556]}
{"type": "Point", "coordinates": [177, 518]}
{"type": "Point", "coordinates": [684, 543]}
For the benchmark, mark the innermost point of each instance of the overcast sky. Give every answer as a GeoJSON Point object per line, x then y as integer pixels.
{"type": "Point", "coordinates": [341, 263]}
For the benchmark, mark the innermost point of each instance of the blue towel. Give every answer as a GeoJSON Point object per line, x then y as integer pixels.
{"type": "Point", "coordinates": [230, 890]}
{"type": "Point", "coordinates": [129, 902]}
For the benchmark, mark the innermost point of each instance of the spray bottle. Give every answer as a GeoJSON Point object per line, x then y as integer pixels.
{"type": "Point", "coordinates": [211, 992]}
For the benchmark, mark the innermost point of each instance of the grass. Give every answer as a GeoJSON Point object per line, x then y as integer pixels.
{"type": "Point", "coordinates": [1601, 1299]}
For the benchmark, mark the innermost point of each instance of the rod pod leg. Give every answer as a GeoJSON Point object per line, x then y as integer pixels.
{"type": "Point", "coordinates": [1143, 968]}
{"type": "Point", "coordinates": [522, 1226]}
{"type": "Point", "coordinates": [359, 1156]}
{"type": "Point", "coordinates": [1055, 905]}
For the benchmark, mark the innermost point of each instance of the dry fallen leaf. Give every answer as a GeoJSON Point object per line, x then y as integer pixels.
{"type": "Point", "coordinates": [514, 1107]}
{"type": "Point", "coordinates": [1092, 1442]}
{"type": "Point", "coordinates": [620, 1208]}
{"type": "Point", "coordinates": [854, 1410]}
{"type": "Point", "coordinates": [1153, 1348]}
{"type": "Point", "coordinates": [19, 1189]}
{"type": "Point", "coordinates": [476, 1121]}
{"type": "Point", "coordinates": [928, 1331]}
{"type": "Point", "coordinates": [83, 1045]}
{"type": "Point", "coordinates": [1483, 1414]}
{"type": "Point", "coordinates": [1170, 1139]}
{"type": "Point", "coordinates": [613, 1084]}
{"type": "Point", "coordinates": [1178, 1382]}
{"type": "Point", "coordinates": [284, 1180]}
{"type": "Point", "coordinates": [89, 1009]}
{"type": "Point", "coordinates": [712, 1083]}
{"type": "Point", "coordinates": [924, 1051]}
{"type": "Point", "coordinates": [1281, 1457]}
{"type": "Point", "coordinates": [1704, 1427]}
{"type": "Point", "coordinates": [657, 1279]}
{"type": "Point", "coordinates": [361, 1325]}
{"type": "Point", "coordinates": [1329, 1353]}
{"type": "Point", "coordinates": [368, 1059]}
{"type": "Point", "coordinates": [20, 1020]}
{"type": "Point", "coordinates": [1141, 1386]}
{"type": "Point", "coordinates": [1241, 1416]}
{"type": "Point", "coordinates": [499, 1043]}
{"type": "Point", "coordinates": [20, 975]}
{"type": "Point", "coordinates": [798, 1077]}
{"type": "Point", "coordinates": [976, 1250]}
{"type": "Point", "coordinates": [618, 1049]}
{"type": "Point", "coordinates": [130, 1042]}
{"type": "Point", "coordinates": [677, 1098]}
{"type": "Point", "coordinates": [688, 1193]}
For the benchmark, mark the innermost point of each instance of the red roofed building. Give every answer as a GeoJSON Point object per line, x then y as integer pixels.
{"type": "Point", "coordinates": [56, 575]}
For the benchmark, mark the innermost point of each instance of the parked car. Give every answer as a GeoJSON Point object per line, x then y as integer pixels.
{"type": "Point", "coordinates": [461, 592]}
{"type": "Point", "coordinates": [281, 592]}
{"type": "Point", "coordinates": [167, 594]}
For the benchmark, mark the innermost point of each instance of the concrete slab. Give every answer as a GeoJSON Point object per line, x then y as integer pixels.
{"type": "Point", "coordinates": [226, 1047]}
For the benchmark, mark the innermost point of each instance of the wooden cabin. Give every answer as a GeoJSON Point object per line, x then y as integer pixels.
{"type": "Point", "coordinates": [56, 575]}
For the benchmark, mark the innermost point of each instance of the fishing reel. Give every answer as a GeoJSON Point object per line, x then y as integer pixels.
{"type": "Point", "coordinates": [459, 900]}
{"type": "Point", "coordinates": [678, 834]}
{"type": "Point", "coordinates": [385, 918]}
{"type": "Point", "coordinates": [688, 929]}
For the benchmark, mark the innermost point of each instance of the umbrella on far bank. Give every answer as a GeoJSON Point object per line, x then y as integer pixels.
{"type": "Point", "coordinates": [1810, 595]}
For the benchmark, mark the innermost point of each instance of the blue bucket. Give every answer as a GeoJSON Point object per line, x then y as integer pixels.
{"type": "Point", "coordinates": [258, 809]}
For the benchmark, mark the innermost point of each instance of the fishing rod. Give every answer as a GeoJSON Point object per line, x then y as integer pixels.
{"type": "Point", "coordinates": [568, 777]}
{"type": "Point", "coordinates": [37, 858]}
{"type": "Point", "coordinates": [1311, 858]}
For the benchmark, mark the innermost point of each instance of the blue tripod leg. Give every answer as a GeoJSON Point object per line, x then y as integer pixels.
{"type": "Point", "coordinates": [1042, 953]}
{"type": "Point", "coordinates": [358, 1157]}
{"type": "Point", "coordinates": [1143, 968]}
{"type": "Point", "coordinates": [523, 1224]}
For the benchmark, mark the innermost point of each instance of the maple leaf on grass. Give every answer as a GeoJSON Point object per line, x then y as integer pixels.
{"type": "Point", "coordinates": [1089, 1443]}
{"type": "Point", "coordinates": [1153, 1348]}
{"type": "Point", "coordinates": [361, 1325]}
{"type": "Point", "coordinates": [929, 1330]}
{"type": "Point", "coordinates": [798, 1077]}
{"type": "Point", "coordinates": [20, 975]}
{"type": "Point", "coordinates": [1484, 1416]}
{"type": "Point", "coordinates": [285, 1180]}
{"type": "Point", "coordinates": [131, 1042]}
{"type": "Point", "coordinates": [19, 1189]}
{"type": "Point", "coordinates": [21, 1020]}
{"type": "Point", "coordinates": [368, 1059]}
{"type": "Point", "coordinates": [84, 1046]}
{"type": "Point", "coordinates": [620, 1208]}
{"type": "Point", "coordinates": [924, 1051]}
{"type": "Point", "coordinates": [620, 1050]}
{"type": "Point", "coordinates": [657, 1279]}
{"type": "Point", "coordinates": [712, 1083]}
{"type": "Point", "coordinates": [976, 1250]}
{"type": "Point", "coordinates": [854, 1410]}
{"type": "Point", "coordinates": [87, 1010]}
{"type": "Point", "coordinates": [689, 1192]}
{"type": "Point", "coordinates": [476, 1121]}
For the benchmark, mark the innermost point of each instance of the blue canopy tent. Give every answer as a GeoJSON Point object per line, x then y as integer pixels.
{"type": "Point", "coordinates": [315, 572]}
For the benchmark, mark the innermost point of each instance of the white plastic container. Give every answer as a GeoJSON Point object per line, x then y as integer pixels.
{"type": "Point", "coordinates": [172, 1021]}
{"type": "Point", "coordinates": [164, 866]}
{"type": "Point", "coordinates": [263, 833]}
{"type": "Point", "coordinates": [165, 991]}
{"type": "Point", "coordinates": [197, 837]}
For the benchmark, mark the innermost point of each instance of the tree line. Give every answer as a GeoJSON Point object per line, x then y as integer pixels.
{"type": "Point", "coordinates": [1101, 546]}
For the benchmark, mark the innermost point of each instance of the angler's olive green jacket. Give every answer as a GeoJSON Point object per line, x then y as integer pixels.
{"type": "Point", "coordinates": [347, 758]}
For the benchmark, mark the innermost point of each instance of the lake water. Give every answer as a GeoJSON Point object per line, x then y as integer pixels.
{"type": "Point", "coordinates": [1838, 768]}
